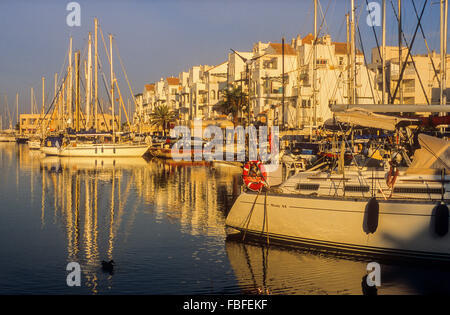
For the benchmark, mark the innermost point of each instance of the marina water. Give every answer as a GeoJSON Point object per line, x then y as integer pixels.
{"type": "Point", "coordinates": [163, 223]}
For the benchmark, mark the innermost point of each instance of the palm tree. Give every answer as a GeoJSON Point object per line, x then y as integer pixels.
{"type": "Point", "coordinates": [162, 116]}
{"type": "Point", "coordinates": [234, 100]}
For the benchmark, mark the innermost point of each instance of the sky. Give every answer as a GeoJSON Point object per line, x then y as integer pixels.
{"type": "Point", "coordinates": [157, 38]}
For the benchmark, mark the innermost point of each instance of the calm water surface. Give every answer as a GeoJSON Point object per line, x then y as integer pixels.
{"type": "Point", "coordinates": [163, 224]}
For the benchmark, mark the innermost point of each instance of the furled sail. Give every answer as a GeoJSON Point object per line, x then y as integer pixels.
{"type": "Point", "coordinates": [434, 153]}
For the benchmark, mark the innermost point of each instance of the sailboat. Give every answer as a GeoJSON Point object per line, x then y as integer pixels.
{"type": "Point", "coordinates": [401, 212]}
{"type": "Point", "coordinates": [101, 149]}
{"type": "Point", "coordinates": [7, 135]}
{"type": "Point", "coordinates": [34, 144]}
{"type": "Point", "coordinates": [389, 211]}
{"type": "Point", "coordinates": [91, 143]}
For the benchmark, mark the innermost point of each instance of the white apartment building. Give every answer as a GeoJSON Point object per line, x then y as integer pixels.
{"type": "Point", "coordinates": [332, 75]}
{"type": "Point", "coordinates": [236, 67]}
{"type": "Point", "coordinates": [160, 96]}
{"type": "Point", "coordinates": [138, 114]}
{"type": "Point", "coordinates": [266, 92]}
{"type": "Point", "coordinates": [184, 97]}
{"type": "Point", "coordinates": [171, 91]}
{"type": "Point", "coordinates": [165, 91]}
{"type": "Point", "coordinates": [216, 81]}
{"type": "Point", "coordinates": [148, 101]}
{"type": "Point", "coordinates": [198, 93]}
{"type": "Point", "coordinates": [421, 79]}
{"type": "Point", "coordinates": [297, 108]}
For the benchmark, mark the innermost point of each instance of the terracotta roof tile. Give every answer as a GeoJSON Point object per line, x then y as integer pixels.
{"type": "Point", "coordinates": [150, 87]}
{"type": "Point", "coordinates": [173, 81]}
{"type": "Point", "coordinates": [288, 50]}
{"type": "Point", "coordinates": [341, 49]}
{"type": "Point", "coordinates": [308, 39]}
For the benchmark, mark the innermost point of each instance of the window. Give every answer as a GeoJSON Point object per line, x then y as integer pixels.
{"type": "Point", "coordinates": [304, 77]}
{"type": "Point", "coordinates": [306, 103]}
{"type": "Point", "coordinates": [270, 63]}
{"type": "Point", "coordinates": [276, 87]}
{"type": "Point", "coordinates": [213, 95]}
{"type": "Point", "coordinates": [321, 61]}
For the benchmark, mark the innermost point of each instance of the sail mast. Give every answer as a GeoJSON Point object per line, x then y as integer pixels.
{"type": "Point", "coordinates": [282, 84]}
{"type": "Point", "coordinates": [96, 74]}
{"type": "Point", "coordinates": [349, 61]}
{"type": "Point", "coordinates": [17, 108]}
{"type": "Point", "coordinates": [77, 90]}
{"type": "Point", "coordinates": [43, 105]}
{"type": "Point", "coordinates": [31, 100]}
{"type": "Point", "coordinates": [443, 31]}
{"type": "Point", "coordinates": [314, 103]}
{"type": "Point", "coordinates": [384, 54]}
{"type": "Point", "coordinates": [89, 83]}
{"type": "Point", "coordinates": [69, 86]}
{"type": "Point", "coordinates": [112, 84]}
{"type": "Point", "coordinates": [353, 52]}
{"type": "Point", "coordinates": [56, 83]}
{"type": "Point", "coordinates": [400, 61]}
{"type": "Point", "coordinates": [445, 51]}
{"type": "Point", "coordinates": [56, 98]}
{"type": "Point", "coordinates": [63, 106]}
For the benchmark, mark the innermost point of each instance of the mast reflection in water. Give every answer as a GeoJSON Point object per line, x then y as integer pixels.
{"type": "Point", "coordinates": [163, 223]}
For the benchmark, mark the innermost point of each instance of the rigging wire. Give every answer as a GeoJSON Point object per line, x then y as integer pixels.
{"type": "Point", "coordinates": [426, 44]}
{"type": "Point", "coordinates": [409, 52]}
{"type": "Point", "coordinates": [412, 58]}
{"type": "Point", "coordinates": [365, 64]}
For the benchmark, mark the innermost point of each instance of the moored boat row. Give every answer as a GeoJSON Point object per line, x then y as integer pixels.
{"type": "Point", "coordinates": [395, 208]}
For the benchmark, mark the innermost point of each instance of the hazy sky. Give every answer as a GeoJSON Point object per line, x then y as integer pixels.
{"type": "Point", "coordinates": [162, 38]}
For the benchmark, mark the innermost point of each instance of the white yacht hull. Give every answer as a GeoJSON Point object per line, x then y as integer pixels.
{"type": "Point", "coordinates": [103, 150]}
{"type": "Point", "coordinates": [50, 150]}
{"type": "Point", "coordinates": [7, 138]}
{"type": "Point", "coordinates": [405, 227]}
{"type": "Point", "coordinates": [34, 145]}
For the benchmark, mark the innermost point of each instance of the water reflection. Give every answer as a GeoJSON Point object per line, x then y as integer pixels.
{"type": "Point", "coordinates": [280, 270]}
{"type": "Point", "coordinates": [162, 222]}
{"type": "Point", "coordinates": [98, 200]}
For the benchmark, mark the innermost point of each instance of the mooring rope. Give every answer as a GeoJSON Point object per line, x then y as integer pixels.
{"type": "Point", "coordinates": [266, 216]}
{"type": "Point", "coordinates": [249, 216]}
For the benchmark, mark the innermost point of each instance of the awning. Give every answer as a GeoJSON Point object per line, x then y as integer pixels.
{"type": "Point", "coordinates": [371, 120]}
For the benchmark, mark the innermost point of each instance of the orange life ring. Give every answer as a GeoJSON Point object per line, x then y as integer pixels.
{"type": "Point", "coordinates": [252, 180]}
